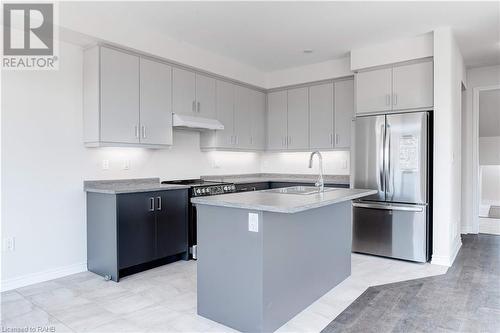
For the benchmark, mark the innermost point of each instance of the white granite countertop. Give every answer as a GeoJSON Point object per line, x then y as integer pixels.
{"type": "Point", "coordinates": [128, 186]}
{"type": "Point", "coordinates": [278, 177]}
{"type": "Point", "coordinates": [269, 201]}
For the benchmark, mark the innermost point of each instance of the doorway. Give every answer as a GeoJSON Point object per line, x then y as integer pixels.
{"type": "Point", "coordinates": [488, 161]}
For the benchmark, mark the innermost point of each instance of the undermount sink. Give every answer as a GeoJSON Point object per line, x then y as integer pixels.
{"type": "Point", "coordinates": [300, 190]}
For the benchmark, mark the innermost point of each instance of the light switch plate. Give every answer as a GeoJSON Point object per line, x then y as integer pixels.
{"type": "Point", "coordinates": [105, 164]}
{"type": "Point", "coordinates": [253, 222]}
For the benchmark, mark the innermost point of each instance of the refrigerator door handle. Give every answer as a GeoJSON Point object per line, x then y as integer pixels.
{"type": "Point", "coordinates": [388, 171]}
{"type": "Point", "coordinates": [388, 207]}
{"type": "Point", "coordinates": [381, 166]}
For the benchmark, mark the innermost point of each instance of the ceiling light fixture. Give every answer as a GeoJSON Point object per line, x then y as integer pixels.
{"type": "Point", "coordinates": [308, 51]}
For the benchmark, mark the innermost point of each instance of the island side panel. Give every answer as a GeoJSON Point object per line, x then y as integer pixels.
{"type": "Point", "coordinates": [229, 268]}
{"type": "Point", "coordinates": [305, 255]}
{"type": "Point", "coordinates": [102, 251]}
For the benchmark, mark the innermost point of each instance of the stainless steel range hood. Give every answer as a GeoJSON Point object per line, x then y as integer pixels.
{"type": "Point", "coordinates": [196, 123]}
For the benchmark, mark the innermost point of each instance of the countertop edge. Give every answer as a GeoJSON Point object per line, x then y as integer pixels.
{"type": "Point", "coordinates": [201, 201]}
{"type": "Point", "coordinates": [136, 190]}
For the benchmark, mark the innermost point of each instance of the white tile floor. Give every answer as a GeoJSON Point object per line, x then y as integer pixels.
{"type": "Point", "coordinates": [164, 300]}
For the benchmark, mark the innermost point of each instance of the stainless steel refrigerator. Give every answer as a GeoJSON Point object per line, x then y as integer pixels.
{"type": "Point", "coordinates": [392, 156]}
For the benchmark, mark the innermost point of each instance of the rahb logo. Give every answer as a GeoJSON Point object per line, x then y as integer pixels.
{"type": "Point", "coordinates": [29, 36]}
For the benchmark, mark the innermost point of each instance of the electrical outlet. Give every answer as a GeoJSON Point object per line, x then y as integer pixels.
{"type": "Point", "coordinates": [126, 165]}
{"type": "Point", "coordinates": [9, 244]}
{"type": "Point", "coordinates": [105, 164]}
{"type": "Point", "coordinates": [344, 164]}
{"type": "Point", "coordinates": [253, 222]}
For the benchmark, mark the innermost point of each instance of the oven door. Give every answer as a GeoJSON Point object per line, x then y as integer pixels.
{"type": "Point", "coordinates": [390, 230]}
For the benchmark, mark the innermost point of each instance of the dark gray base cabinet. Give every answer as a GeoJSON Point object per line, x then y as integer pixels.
{"type": "Point", "coordinates": [125, 230]}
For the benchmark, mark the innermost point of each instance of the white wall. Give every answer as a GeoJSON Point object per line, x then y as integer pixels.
{"type": "Point", "coordinates": [476, 77]}
{"type": "Point", "coordinates": [125, 32]}
{"type": "Point", "coordinates": [489, 150]}
{"type": "Point", "coordinates": [335, 68]}
{"type": "Point", "coordinates": [334, 162]}
{"type": "Point", "coordinates": [44, 164]}
{"type": "Point", "coordinates": [490, 185]}
{"type": "Point", "coordinates": [448, 79]}
{"type": "Point", "coordinates": [392, 52]}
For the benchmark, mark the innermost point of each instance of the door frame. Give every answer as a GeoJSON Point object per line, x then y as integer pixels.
{"type": "Point", "coordinates": [476, 186]}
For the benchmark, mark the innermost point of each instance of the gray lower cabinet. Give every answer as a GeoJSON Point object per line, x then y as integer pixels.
{"type": "Point", "coordinates": [127, 230]}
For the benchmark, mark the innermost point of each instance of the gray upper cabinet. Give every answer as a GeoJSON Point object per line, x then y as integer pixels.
{"type": "Point", "coordinates": [321, 116]}
{"type": "Point", "coordinates": [258, 129]}
{"type": "Point", "coordinates": [242, 112]}
{"type": "Point", "coordinates": [373, 91]}
{"type": "Point", "coordinates": [155, 103]}
{"type": "Point", "coordinates": [277, 120]}
{"type": "Point", "coordinates": [243, 117]}
{"type": "Point", "coordinates": [225, 114]}
{"type": "Point", "coordinates": [412, 86]}
{"type": "Point", "coordinates": [400, 87]}
{"type": "Point", "coordinates": [184, 92]}
{"type": "Point", "coordinates": [193, 94]}
{"type": "Point", "coordinates": [127, 100]}
{"type": "Point", "coordinates": [344, 112]}
{"type": "Point", "coordinates": [205, 96]}
{"type": "Point", "coordinates": [119, 97]}
{"type": "Point", "coordinates": [298, 119]}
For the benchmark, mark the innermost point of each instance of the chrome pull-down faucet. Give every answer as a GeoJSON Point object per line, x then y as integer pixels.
{"type": "Point", "coordinates": [320, 184]}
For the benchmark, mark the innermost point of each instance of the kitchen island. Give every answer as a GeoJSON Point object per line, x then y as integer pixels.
{"type": "Point", "coordinates": [264, 256]}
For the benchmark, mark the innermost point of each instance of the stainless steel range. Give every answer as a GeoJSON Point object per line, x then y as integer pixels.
{"type": "Point", "coordinates": [199, 188]}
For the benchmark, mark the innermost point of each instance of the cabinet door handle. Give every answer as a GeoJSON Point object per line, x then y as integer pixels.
{"type": "Point", "coordinates": [159, 203]}
{"type": "Point", "coordinates": [198, 107]}
{"type": "Point", "coordinates": [193, 106]}
{"type": "Point", "coordinates": [289, 140]}
{"type": "Point", "coordinates": [143, 131]}
{"type": "Point", "coordinates": [337, 139]}
{"type": "Point", "coordinates": [395, 99]}
{"type": "Point", "coordinates": [388, 99]}
{"type": "Point", "coordinates": [151, 204]}
{"type": "Point", "coordinates": [136, 131]}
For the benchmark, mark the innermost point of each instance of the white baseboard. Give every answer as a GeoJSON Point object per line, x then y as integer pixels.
{"type": "Point", "coordinates": [50, 274]}
{"type": "Point", "coordinates": [448, 260]}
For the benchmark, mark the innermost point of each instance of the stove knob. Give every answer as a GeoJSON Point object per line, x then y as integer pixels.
{"type": "Point", "coordinates": [225, 188]}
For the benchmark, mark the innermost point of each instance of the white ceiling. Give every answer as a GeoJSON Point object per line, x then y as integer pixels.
{"type": "Point", "coordinates": [489, 113]}
{"type": "Point", "coordinates": [272, 35]}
